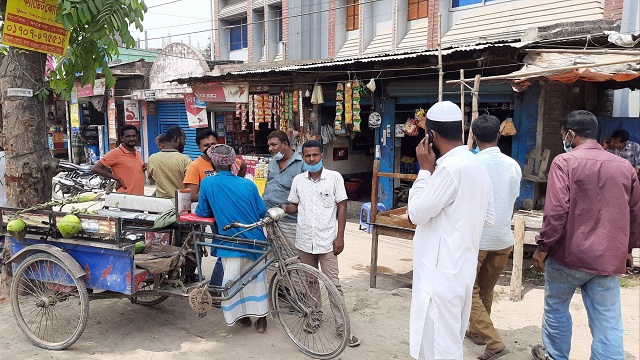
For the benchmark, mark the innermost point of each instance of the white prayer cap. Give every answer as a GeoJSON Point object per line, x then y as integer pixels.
{"type": "Point", "coordinates": [444, 111]}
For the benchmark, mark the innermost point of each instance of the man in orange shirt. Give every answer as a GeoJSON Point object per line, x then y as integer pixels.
{"type": "Point", "coordinates": [201, 167]}
{"type": "Point", "coordinates": [125, 162]}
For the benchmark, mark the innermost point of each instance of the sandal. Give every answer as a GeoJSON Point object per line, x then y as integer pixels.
{"type": "Point", "coordinates": [491, 354]}
{"type": "Point", "coordinates": [539, 352]}
{"type": "Point", "coordinates": [475, 338]}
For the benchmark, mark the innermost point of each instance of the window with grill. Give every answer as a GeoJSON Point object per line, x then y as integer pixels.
{"type": "Point", "coordinates": [353, 15]}
{"type": "Point", "coordinates": [418, 9]}
{"type": "Point", "coordinates": [238, 38]}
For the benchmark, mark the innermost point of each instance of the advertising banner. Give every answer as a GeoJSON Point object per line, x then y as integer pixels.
{"type": "Point", "coordinates": [75, 117]}
{"type": "Point", "coordinates": [131, 113]}
{"type": "Point", "coordinates": [196, 116]}
{"type": "Point", "coordinates": [97, 88]}
{"type": "Point", "coordinates": [217, 92]}
{"type": "Point", "coordinates": [111, 119]}
{"type": "Point", "coordinates": [29, 24]}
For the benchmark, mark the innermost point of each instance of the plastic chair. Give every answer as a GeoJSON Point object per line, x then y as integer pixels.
{"type": "Point", "coordinates": [365, 216]}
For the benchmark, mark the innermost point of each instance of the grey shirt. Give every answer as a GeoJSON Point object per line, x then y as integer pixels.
{"type": "Point", "coordinates": [279, 182]}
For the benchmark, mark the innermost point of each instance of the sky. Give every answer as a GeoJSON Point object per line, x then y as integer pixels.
{"type": "Point", "coordinates": [166, 18]}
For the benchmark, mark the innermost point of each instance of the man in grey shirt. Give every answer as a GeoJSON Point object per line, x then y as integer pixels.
{"type": "Point", "coordinates": [284, 166]}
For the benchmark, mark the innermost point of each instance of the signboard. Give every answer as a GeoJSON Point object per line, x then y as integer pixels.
{"type": "Point", "coordinates": [75, 117]}
{"type": "Point", "coordinates": [111, 119]}
{"type": "Point", "coordinates": [196, 116]}
{"type": "Point", "coordinates": [19, 92]}
{"type": "Point", "coordinates": [131, 113]}
{"type": "Point", "coordinates": [149, 95]}
{"type": "Point", "coordinates": [29, 24]}
{"type": "Point", "coordinates": [97, 88]}
{"type": "Point", "coordinates": [217, 92]}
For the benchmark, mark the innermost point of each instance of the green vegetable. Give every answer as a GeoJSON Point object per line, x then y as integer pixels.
{"type": "Point", "coordinates": [17, 228]}
{"type": "Point", "coordinates": [69, 225]}
{"type": "Point", "coordinates": [139, 247]}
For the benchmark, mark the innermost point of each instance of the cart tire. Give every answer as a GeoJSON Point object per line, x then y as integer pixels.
{"type": "Point", "coordinates": [308, 319]}
{"type": "Point", "coordinates": [148, 300]}
{"type": "Point", "coordinates": [50, 306]}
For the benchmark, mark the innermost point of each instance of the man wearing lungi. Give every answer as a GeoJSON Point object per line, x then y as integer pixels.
{"type": "Point", "coordinates": [231, 198]}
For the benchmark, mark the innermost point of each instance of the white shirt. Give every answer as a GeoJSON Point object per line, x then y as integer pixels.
{"type": "Point", "coordinates": [505, 177]}
{"type": "Point", "coordinates": [450, 208]}
{"type": "Point", "coordinates": [317, 208]}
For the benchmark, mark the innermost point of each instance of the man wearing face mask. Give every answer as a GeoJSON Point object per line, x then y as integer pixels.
{"type": "Point", "coordinates": [450, 205]}
{"type": "Point", "coordinates": [285, 164]}
{"type": "Point", "coordinates": [318, 196]}
{"type": "Point", "coordinates": [591, 222]}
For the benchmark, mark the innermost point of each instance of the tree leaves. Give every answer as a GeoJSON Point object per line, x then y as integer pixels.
{"type": "Point", "coordinates": [96, 27]}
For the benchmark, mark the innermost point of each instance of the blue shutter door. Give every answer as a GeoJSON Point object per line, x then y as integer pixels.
{"type": "Point", "coordinates": [174, 113]}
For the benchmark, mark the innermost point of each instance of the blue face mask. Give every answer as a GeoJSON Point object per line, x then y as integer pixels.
{"type": "Point", "coordinates": [313, 168]}
{"type": "Point", "coordinates": [277, 157]}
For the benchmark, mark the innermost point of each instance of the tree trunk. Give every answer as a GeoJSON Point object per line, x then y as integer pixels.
{"type": "Point", "coordinates": [30, 166]}
{"type": "Point", "coordinates": [23, 135]}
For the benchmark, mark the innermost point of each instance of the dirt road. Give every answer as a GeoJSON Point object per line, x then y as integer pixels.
{"type": "Point", "coordinates": [120, 330]}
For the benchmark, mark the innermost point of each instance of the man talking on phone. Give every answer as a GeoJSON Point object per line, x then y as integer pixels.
{"type": "Point", "coordinates": [451, 202]}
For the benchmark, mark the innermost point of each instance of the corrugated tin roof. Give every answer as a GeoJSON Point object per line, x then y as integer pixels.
{"type": "Point", "coordinates": [323, 63]}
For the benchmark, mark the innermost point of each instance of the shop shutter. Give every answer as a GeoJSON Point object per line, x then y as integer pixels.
{"type": "Point", "coordinates": [174, 113]}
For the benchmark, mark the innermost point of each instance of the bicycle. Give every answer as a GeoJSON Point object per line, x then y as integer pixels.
{"type": "Point", "coordinates": [307, 304]}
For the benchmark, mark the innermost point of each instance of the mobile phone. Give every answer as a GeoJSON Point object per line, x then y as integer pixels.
{"type": "Point", "coordinates": [429, 137]}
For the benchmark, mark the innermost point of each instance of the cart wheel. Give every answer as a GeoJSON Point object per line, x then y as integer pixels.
{"type": "Point", "coordinates": [302, 300]}
{"type": "Point", "coordinates": [148, 300]}
{"type": "Point", "coordinates": [49, 304]}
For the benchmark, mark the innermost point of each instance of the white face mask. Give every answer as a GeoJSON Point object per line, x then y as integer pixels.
{"type": "Point", "coordinates": [567, 144]}
{"type": "Point", "coordinates": [277, 157]}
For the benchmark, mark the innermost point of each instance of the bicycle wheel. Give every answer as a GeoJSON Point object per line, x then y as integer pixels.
{"type": "Point", "coordinates": [50, 306]}
{"type": "Point", "coordinates": [311, 310]}
{"type": "Point", "coordinates": [148, 300]}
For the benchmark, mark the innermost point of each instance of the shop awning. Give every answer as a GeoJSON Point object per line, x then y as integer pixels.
{"type": "Point", "coordinates": [570, 67]}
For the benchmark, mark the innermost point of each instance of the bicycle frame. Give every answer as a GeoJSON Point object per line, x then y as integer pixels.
{"type": "Point", "coordinates": [271, 246]}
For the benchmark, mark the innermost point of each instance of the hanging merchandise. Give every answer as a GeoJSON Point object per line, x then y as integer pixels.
{"type": "Point", "coordinates": [339, 106]}
{"type": "Point", "coordinates": [266, 100]}
{"type": "Point", "coordinates": [238, 110]}
{"type": "Point", "coordinates": [296, 96]}
{"type": "Point", "coordinates": [300, 112]}
{"type": "Point", "coordinates": [348, 103]}
{"type": "Point", "coordinates": [507, 127]}
{"type": "Point", "coordinates": [421, 118]}
{"type": "Point", "coordinates": [410, 127]}
{"type": "Point", "coordinates": [250, 108]}
{"type": "Point", "coordinates": [243, 117]}
{"type": "Point", "coordinates": [357, 87]}
{"type": "Point", "coordinates": [316, 96]}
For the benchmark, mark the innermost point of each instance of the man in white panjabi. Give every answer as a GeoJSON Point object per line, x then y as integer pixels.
{"type": "Point", "coordinates": [450, 206]}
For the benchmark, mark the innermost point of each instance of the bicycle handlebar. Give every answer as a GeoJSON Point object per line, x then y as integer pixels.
{"type": "Point", "coordinates": [273, 214]}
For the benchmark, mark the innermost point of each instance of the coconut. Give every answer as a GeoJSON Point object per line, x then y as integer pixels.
{"type": "Point", "coordinates": [17, 228]}
{"type": "Point", "coordinates": [69, 225]}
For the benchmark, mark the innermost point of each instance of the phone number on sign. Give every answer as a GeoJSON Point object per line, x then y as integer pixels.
{"type": "Point", "coordinates": [34, 34]}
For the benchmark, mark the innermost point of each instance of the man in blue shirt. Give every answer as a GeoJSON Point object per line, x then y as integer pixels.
{"type": "Point", "coordinates": [231, 198]}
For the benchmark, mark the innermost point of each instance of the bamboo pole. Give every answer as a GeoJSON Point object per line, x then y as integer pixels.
{"type": "Point", "coordinates": [373, 269]}
{"type": "Point", "coordinates": [440, 70]}
{"type": "Point", "coordinates": [462, 101]}
{"type": "Point", "coordinates": [474, 108]}
{"type": "Point", "coordinates": [539, 72]}
{"type": "Point", "coordinates": [584, 51]}
{"type": "Point", "coordinates": [515, 288]}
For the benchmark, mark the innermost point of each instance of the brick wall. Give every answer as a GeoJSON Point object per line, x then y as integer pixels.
{"type": "Point", "coordinates": [250, 32]}
{"type": "Point", "coordinates": [331, 47]}
{"type": "Point", "coordinates": [285, 27]}
{"type": "Point", "coordinates": [613, 9]}
{"type": "Point", "coordinates": [434, 20]}
{"type": "Point", "coordinates": [216, 25]}
{"type": "Point", "coordinates": [559, 99]}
